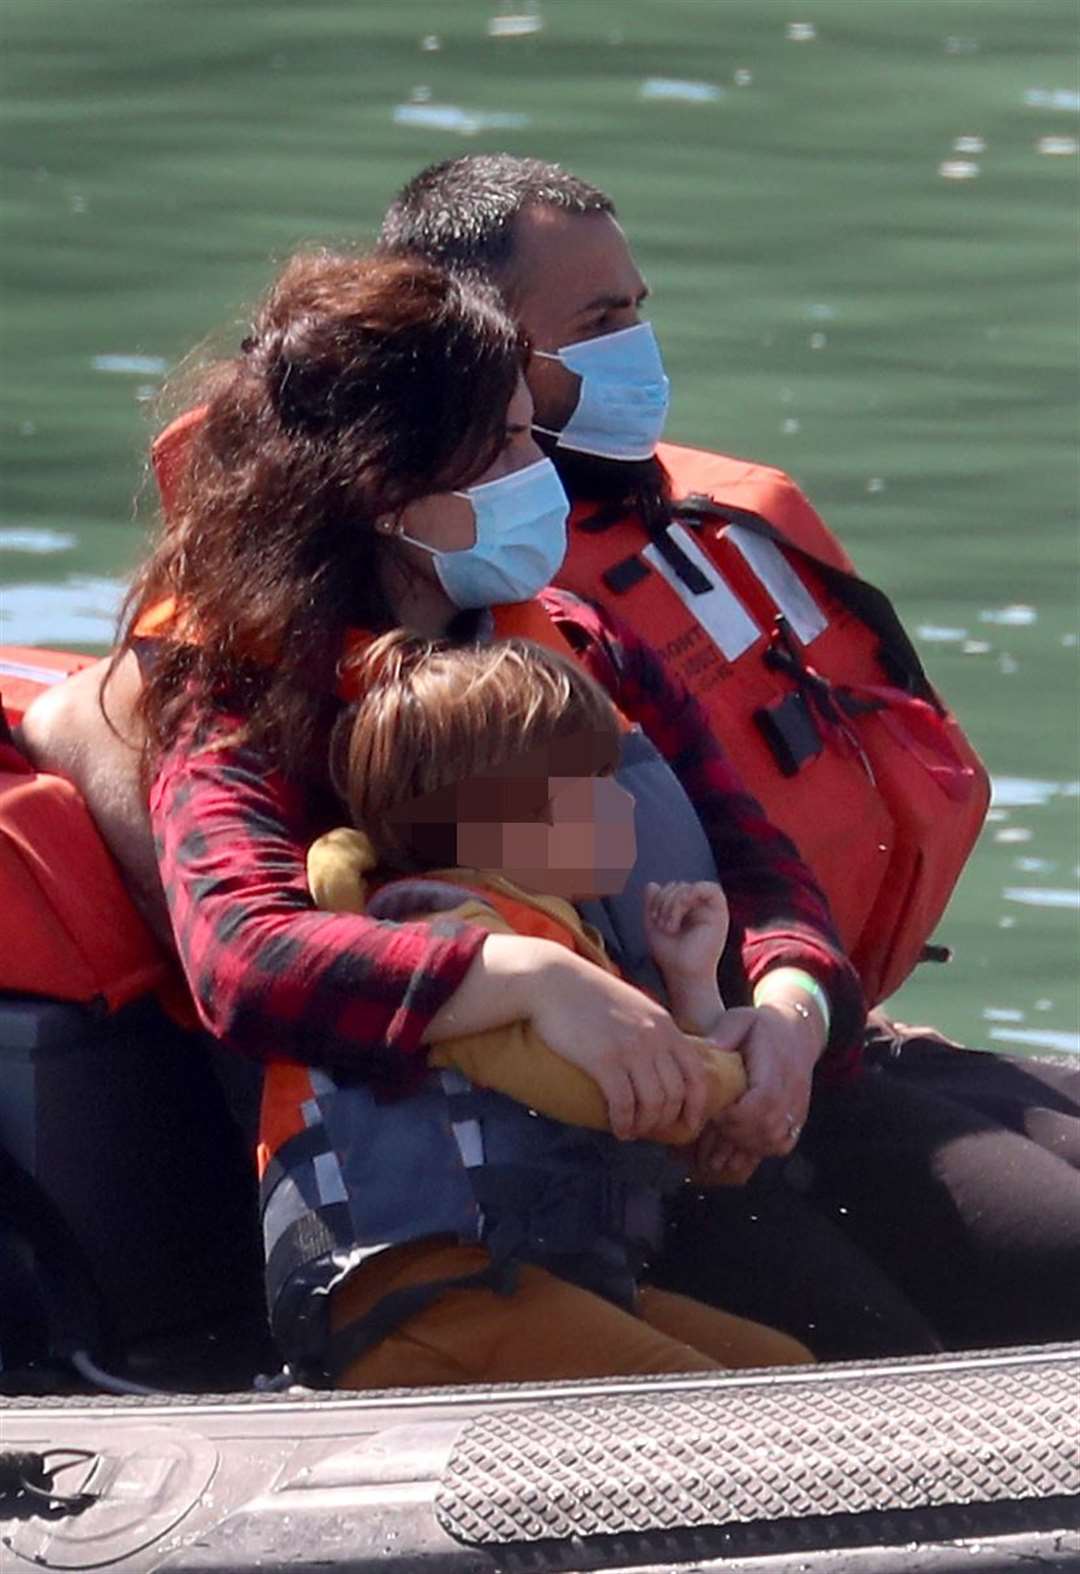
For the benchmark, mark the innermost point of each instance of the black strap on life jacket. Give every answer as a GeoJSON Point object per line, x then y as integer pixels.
{"type": "Point", "coordinates": [899, 659]}
{"type": "Point", "coordinates": [395, 1308]}
{"type": "Point", "coordinates": [871, 606]}
{"type": "Point", "coordinates": [563, 1225]}
{"type": "Point", "coordinates": [794, 727]}
{"type": "Point", "coordinates": [623, 576]}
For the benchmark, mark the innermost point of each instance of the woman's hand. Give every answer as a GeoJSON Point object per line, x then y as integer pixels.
{"type": "Point", "coordinates": [650, 1072]}
{"type": "Point", "coordinates": [780, 1048]}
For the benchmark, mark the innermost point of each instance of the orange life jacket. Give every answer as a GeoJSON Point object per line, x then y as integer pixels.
{"type": "Point", "coordinates": [70, 930]}
{"type": "Point", "coordinates": [810, 684]}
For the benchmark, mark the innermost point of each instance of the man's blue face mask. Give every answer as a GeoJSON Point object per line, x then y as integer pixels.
{"type": "Point", "coordinates": [623, 402]}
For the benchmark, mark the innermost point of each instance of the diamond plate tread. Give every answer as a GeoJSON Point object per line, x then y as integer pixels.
{"type": "Point", "coordinates": [760, 1452]}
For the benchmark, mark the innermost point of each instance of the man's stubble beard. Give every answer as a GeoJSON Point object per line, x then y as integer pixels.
{"type": "Point", "coordinates": [640, 486]}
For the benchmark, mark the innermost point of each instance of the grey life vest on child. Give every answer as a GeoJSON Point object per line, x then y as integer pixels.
{"type": "Point", "coordinates": [458, 1160]}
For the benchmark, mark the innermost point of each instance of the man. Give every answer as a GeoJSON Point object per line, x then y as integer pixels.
{"type": "Point", "coordinates": [909, 1159]}
{"type": "Point", "coordinates": [928, 1160]}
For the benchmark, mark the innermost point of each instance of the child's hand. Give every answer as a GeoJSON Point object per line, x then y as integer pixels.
{"type": "Point", "coordinates": [686, 927]}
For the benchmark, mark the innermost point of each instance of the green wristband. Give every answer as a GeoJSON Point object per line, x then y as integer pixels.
{"type": "Point", "coordinates": [797, 978]}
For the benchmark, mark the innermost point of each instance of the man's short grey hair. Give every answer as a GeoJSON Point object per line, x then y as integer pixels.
{"type": "Point", "coordinates": [461, 212]}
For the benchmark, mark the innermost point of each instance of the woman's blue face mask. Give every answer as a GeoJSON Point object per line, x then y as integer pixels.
{"type": "Point", "coordinates": [520, 539]}
{"type": "Point", "coordinates": [623, 402]}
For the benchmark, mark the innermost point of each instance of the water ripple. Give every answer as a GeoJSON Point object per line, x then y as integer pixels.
{"type": "Point", "coordinates": [1039, 1038]}
{"type": "Point", "coordinates": [1053, 98]}
{"type": "Point", "coordinates": [1057, 146]}
{"type": "Point", "coordinates": [674, 88]}
{"type": "Point", "coordinates": [80, 612]}
{"type": "Point", "coordinates": [449, 117]}
{"type": "Point", "coordinates": [1042, 896]}
{"type": "Point", "coordinates": [1015, 616]}
{"type": "Point", "coordinates": [520, 24]}
{"type": "Point", "coordinates": [28, 538]}
{"type": "Point", "coordinates": [1026, 792]}
{"type": "Point", "coordinates": [134, 365]}
{"type": "Point", "coordinates": [958, 169]}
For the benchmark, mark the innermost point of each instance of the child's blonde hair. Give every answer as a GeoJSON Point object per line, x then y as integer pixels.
{"type": "Point", "coordinates": [434, 716]}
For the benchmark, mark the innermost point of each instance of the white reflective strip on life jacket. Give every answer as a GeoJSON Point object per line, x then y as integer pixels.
{"type": "Point", "coordinates": [284, 1207]}
{"type": "Point", "coordinates": [804, 616]}
{"type": "Point", "coordinates": [467, 1133]}
{"type": "Point", "coordinates": [29, 674]}
{"type": "Point", "coordinates": [329, 1179]}
{"type": "Point", "coordinates": [470, 1141]}
{"type": "Point", "coordinates": [718, 610]}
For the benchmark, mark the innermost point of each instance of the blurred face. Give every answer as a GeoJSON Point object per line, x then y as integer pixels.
{"type": "Point", "coordinates": [550, 821]}
{"type": "Point", "coordinates": [572, 278]}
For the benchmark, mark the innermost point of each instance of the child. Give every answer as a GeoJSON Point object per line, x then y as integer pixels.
{"type": "Point", "coordinates": [461, 1236]}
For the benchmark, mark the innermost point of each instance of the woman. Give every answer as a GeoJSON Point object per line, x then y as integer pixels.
{"type": "Point", "coordinates": [367, 462]}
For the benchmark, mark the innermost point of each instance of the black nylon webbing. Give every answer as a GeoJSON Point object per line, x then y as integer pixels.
{"type": "Point", "coordinates": [869, 604]}
{"type": "Point", "coordinates": [398, 1306]}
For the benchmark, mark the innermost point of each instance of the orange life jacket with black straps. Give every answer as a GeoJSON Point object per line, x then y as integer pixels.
{"type": "Point", "coordinates": [810, 684]}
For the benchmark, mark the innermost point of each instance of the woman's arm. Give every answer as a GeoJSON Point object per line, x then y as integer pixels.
{"type": "Point", "coordinates": [271, 976]}
{"type": "Point", "coordinates": [66, 732]}
{"type": "Point", "coordinates": [274, 978]}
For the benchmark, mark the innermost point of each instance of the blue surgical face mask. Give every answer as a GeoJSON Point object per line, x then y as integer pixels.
{"type": "Point", "coordinates": [623, 402]}
{"type": "Point", "coordinates": [520, 539]}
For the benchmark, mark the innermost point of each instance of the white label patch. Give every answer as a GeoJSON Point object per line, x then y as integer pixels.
{"type": "Point", "coordinates": [791, 596]}
{"type": "Point", "coordinates": [718, 610]}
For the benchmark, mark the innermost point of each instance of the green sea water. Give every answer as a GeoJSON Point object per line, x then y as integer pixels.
{"type": "Point", "coordinates": [860, 222]}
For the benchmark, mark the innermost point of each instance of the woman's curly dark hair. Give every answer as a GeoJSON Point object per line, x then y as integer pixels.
{"type": "Point", "coordinates": [365, 383]}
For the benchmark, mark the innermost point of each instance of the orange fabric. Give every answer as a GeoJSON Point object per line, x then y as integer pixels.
{"type": "Point", "coordinates": [169, 453]}
{"type": "Point", "coordinates": [158, 619]}
{"type": "Point", "coordinates": [70, 929]}
{"type": "Point", "coordinates": [546, 1330]}
{"type": "Point", "coordinates": [286, 1088]}
{"type": "Point", "coordinates": [527, 918]}
{"type": "Point", "coordinates": [887, 848]}
{"type": "Point", "coordinates": [25, 671]}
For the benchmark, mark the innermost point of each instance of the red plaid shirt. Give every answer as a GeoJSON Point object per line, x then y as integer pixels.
{"type": "Point", "coordinates": [274, 978]}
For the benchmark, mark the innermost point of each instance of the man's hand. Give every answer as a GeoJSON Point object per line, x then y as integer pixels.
{"type": "Point", "coordinates": [779, 1048]}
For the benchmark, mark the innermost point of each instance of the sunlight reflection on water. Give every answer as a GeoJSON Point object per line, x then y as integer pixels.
{"type": "Point", "coordinates": [81, 611]}
{"type": "Point", "coordinates": [34, 539]}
